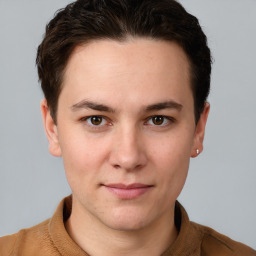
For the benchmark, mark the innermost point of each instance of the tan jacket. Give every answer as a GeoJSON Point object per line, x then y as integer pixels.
{"type": "Point", "coordinates": [51, 238]}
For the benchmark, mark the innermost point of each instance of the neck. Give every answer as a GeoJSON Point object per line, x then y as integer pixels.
{"type": "Point", "coordinates": [97, 239]}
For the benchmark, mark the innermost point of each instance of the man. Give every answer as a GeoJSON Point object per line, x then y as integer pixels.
{"type": "Point", "coordinates": [125, 85]}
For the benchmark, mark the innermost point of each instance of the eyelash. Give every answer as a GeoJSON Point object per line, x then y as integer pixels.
{"type": "Point", "coordinates": [95, 127]}
{"type": "Point", "coordinates": [167, 121]}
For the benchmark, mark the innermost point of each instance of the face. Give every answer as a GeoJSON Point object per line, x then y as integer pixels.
{"type": "Point", "coordinates": [126, 130]}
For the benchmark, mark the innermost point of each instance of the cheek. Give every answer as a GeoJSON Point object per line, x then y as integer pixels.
{"type": "Point", "coordinates": [172, 149]}
{"type": "Point", "coordinates": [171, 159]}
{"type": "Point", "coordinates": [82, 158]}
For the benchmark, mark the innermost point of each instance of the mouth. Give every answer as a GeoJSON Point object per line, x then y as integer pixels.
{"type": "Point", "coordinates": [128, 192]}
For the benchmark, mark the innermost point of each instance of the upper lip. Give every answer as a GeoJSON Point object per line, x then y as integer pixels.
{"type": "Point", "coordinates": [129, 186]}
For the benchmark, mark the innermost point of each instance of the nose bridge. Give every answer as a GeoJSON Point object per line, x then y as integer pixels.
{"type": "Point", "coordinates": [128, 152]}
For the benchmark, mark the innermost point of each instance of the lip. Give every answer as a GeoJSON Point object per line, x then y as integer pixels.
{"type": "Point", "coordinates": [130, 191]}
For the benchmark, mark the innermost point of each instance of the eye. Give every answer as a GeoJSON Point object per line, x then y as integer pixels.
{"type": "Point", "coordinates": [159, 120]}
{"type": "Point", "coordinates": [96, 120]}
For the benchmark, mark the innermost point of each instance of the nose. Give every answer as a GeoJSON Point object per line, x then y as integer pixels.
{"type": "Point", "coordinates": [128, 150]}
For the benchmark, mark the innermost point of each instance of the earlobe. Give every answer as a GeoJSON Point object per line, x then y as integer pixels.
{"type": "Point", "coordinates": [200, 132]}
{"type": "Point", "coordinates": [50, 129]}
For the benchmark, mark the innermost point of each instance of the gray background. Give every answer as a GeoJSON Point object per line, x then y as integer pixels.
{"type": "Point", "coordinates": [220, 190]}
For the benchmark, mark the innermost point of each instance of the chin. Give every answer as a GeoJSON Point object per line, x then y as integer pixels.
{"type": "Point", "coordinates": [126, 220]}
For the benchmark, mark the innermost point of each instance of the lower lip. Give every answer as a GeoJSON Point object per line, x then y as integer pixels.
{"type": "Point", "coordinates": [130, 193]}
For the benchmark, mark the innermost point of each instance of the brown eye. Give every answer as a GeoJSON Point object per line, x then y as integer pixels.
{"type": "Point", "coordinates": [158, 120]}
{"type": "Point", "coordinates": [96, 120]}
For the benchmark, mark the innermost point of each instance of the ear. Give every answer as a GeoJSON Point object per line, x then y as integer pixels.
{"type": "Point", "coordinates": [50, 129]}
{"type": "Point", "coordinates": [200, 131]}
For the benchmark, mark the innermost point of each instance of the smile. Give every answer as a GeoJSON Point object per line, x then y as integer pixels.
{"type": "Point", "coordinates": [129, 192]}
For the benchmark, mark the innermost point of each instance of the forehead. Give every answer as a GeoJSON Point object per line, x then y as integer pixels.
{"type": "Point", "coordinates": [105, 54]}
{"type": "Point", "coordinates": [131, 68]}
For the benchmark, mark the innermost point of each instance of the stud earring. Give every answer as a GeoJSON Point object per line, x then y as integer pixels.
{"type": "Point", "coordinates": [197, 151]}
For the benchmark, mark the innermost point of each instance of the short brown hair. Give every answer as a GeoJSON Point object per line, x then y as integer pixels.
{"type": "Point", "coordinates": [86, 20]}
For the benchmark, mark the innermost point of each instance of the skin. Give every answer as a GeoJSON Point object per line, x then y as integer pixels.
{"type": "Point", "coordinates": [128, 145]}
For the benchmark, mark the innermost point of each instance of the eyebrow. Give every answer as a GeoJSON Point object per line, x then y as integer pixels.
{"type": "Point", "coordinates": [92, 105]}
{"type": "Point", "coordinates": [164, 105]}
{"type": "Point", "coordinates": [85, 104]}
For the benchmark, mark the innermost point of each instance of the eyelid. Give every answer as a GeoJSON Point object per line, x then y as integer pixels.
{"type": "Point", "coordinates": [168, 118]}
{"type": "Point", "coordinates": [100, 126]}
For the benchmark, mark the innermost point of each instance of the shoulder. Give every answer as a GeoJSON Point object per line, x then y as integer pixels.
{"type": "Point", "coordinates": [7, 244]}
{"type": "Point", "coordinates": [26, 241]}
{"type": "Point", "coordinates": [214, 243]}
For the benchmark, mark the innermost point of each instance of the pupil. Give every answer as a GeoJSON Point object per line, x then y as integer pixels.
{"type": "Point", "coordinates": [158, 120]}
{"type": "Point", "coordinates": [96, 120]}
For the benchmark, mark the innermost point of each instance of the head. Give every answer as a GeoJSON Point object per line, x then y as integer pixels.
{"type": "Point", "coordinates": [89, 20]}
{"type": "Point", "coordinates": [125, 84]}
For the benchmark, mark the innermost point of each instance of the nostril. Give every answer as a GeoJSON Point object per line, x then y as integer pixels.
{"type": "Point", "coordinates": [138, 167]}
